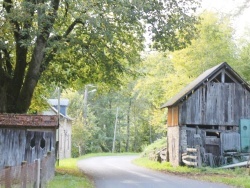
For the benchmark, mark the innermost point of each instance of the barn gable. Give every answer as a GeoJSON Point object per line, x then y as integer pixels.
{"type": "Point", "coordinates": [220, 73]}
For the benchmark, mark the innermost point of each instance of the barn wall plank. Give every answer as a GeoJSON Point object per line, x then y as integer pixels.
{"type": "Point", "coordinates": [216, 104]}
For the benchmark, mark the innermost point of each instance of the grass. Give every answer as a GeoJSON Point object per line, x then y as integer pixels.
{"type": "Point", "coordinates": [238, 177]}
{"type": "Point", "coordinates": [157, 145]}
{"type": "Point", "coordinates": [68, 175]}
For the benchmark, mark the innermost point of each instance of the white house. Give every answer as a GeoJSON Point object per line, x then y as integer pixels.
{"type": "Point", "coordinates": [65, 126]}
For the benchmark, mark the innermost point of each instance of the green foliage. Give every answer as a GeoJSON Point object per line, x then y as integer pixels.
{"type": "Point", "coordinates": [78, 42]}
{"type": "Point", "coordinates": [150, 87]}
{"type": "Point", "coordinates": [84, 132]}
{"type": "Point", "coordinates": [155, 146]}
{"type": "Point", "coordinates": [213, 45]}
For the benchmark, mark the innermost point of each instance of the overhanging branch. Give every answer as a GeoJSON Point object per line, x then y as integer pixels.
{"type": "Point", "coordinates": [72, 26]}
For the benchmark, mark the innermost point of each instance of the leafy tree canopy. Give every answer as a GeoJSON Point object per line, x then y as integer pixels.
{"type": "Point", "coordinates": [81, 41]}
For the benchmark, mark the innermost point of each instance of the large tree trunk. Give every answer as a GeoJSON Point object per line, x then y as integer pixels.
{"type": "Point", "coordinates": [3, 98]}
{"type": "Point", "coordinates": [32, 76]}
{"type": "Point", "coordinates": [18, 78]}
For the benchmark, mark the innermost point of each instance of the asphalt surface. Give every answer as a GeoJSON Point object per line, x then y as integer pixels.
{"type": "Point", "coordinates": [119, 172]}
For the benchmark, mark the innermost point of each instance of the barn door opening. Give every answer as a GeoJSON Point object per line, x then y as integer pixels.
{"type": "Point", "coordinates": [245, 135]}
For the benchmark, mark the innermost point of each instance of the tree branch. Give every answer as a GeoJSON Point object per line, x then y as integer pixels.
{"type": "Point", "coordinates": [8, 63]}
{"type": "Point", "coordinates": [8, 4]}
{"type": "Point", "coordinates": [49, 57]}
{"type": "Point", "coordinates": [72, 26]}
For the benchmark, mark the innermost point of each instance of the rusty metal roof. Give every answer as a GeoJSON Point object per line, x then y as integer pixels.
{"type": "Point", "coordinates": [200, 80]}
{"type": "Point", "coordinates": [28, 121]}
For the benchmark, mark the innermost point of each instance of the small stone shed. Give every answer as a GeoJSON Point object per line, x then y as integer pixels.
{"type": "Point", "coordinates": [26, 138]}
{"type": "Point", "coordinates": [213, 112]}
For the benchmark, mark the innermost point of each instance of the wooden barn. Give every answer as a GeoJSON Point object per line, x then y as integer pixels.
{"type": "Point", "coordinates": [213, 113]}
{"type": "Point", "coordinates": [26, 138]}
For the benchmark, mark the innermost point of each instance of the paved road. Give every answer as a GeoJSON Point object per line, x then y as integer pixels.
{"type": "Point", "coordinates": [119, 172]}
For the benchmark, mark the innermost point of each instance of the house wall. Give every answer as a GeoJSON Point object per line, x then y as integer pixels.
{"type": "Point", "coordinates": [216, 104]}
{"type": "Point", "coordinates": [17, 145]}
{"type": "Point", "coordinates": [65, 138]}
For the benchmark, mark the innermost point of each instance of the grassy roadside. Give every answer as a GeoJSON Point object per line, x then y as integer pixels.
{"type": "Point", "coordinates": [68, 175]}
{"type": "Point", "coordinates": [238, 177]}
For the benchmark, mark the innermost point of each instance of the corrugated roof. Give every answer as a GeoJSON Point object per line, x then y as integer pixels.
{"type": "Point", "coordinates": [198, 81]}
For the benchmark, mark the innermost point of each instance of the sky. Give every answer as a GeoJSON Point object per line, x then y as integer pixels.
{"type": "Point", "coordinates": [230, 6]}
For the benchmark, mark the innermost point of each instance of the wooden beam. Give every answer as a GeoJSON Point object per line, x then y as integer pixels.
{"type": "Point", "coordinates": [189, 157]}
{"type": "Point", "coordinates": [223, 76]}
{"type": "Point", "coordinates": [189, 163]}
{"type": "Point", "coordinates": [191, 149]}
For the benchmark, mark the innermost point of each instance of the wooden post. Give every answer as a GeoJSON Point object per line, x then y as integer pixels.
{"type": "Point", "coordinates": [7, 177]}
{"type": "Point", "coordinates": [248, 165]}
{"type": "Point", "coordinates": [58, 132]}
{"type": "Point", "coordinates": [116, 118]}
{"type": "Point", "coordinates": [38, 168]}
{"type": "Point", "coordinates": [198, 156]}
{"type": "Point", "coordinates": [24, 174]}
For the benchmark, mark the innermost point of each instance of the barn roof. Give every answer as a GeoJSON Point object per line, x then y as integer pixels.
{"type": "Point", "coordinates": [202, 79]}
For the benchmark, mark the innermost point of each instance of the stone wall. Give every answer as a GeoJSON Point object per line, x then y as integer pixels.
{"type": "Point", "coordinates": [173, 145]}
{"type": "Point", "coordinates": [183, 141]}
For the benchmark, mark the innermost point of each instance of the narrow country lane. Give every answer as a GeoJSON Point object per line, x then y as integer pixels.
{"type": "Point", "coordinates": [119, 172]}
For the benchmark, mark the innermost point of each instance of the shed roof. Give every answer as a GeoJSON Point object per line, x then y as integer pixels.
{"type": "Point", "coordinates": [200, 80]}
{"type": "Point", "coordinates": [28, 121]}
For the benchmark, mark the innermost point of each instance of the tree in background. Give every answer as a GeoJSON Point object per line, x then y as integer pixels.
{"type": "Point", "coordinates": [67, 42]}
{"type": "Point", "coordinates": [150, 88]}
{"type": "Point", "coordinates": [243, 63]}
{"type": "Point", "coordinates": [213, 45]}
{"type": "Point", "coordinates": [84, 136]}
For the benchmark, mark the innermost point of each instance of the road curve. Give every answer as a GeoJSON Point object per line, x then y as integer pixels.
{"type": "Point", "coordinates": [119, 172]}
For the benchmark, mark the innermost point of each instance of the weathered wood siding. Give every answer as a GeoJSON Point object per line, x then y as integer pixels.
{"type": "Point", "coordinates": [216, 104]}
{"type": "Point", "coordinates": [230, 141]}
{"type": "Point", "coordinates": [17, 145]}
{"type": "Point", "coordinates": [173, 116]}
